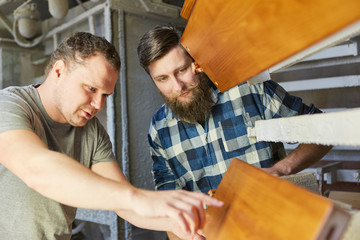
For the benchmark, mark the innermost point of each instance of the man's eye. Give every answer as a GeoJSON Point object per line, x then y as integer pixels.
{"type": "Point", "coordinates": [184, 69]}
{"type": "Point", "coordinates": [92, 89]}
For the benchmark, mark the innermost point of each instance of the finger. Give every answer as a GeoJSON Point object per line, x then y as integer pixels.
{"type": "Point", "coordinates": [205, 198]}
{"type": "Point", "coordinates": [201, 233]}
{"type": "Point", "coordinates": [197, 208]}
{"type": "Point", "coordinates": [179, 217]}
{"type": "Point", "coordinates": [197, 198]}
{"type": "Point", "coordinates": [193, 221]}
{"type": "Point", "coordinates": [190, 213]}
{"type": "Point", "coordinates": [198, 237]}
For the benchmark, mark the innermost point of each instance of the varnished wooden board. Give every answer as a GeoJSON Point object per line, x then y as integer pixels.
{"type": "Point", "coordinates": [352, 198]}
{"type": "Point", "coordinates": [261, 206]}
{"type": "Point", "coordinates": [235, 40]}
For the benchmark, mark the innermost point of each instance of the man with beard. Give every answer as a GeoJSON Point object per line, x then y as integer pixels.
{"type": "Point", "coordinates": [198, 131]}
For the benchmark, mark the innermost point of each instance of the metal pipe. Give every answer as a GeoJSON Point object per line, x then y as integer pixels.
{"type": "Point", "coordinates": [95, 10]}
{"type": "Point", "coordinates": [91, 22]}
{"type": "Point", "coordinates": [58, 8]}
{"type": "Point", "coordinates": [6, 22]}
{"type": "Point", "coordinates": [1, 71]}
{"type": "Point", "coordinates": [124, 115]}
{"type": "Point", "coordinates": [110, 105]}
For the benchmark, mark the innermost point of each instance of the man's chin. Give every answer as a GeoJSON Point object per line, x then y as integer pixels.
{"type": "Point", "coordinates": [79, 123]}
{"type": "Point", "coordinates": [185, 100]}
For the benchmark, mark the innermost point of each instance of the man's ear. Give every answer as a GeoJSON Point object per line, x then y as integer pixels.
{"type": "Point", "coordinates": [196, 68]}
{"type": "Point", "coordinates": [59, 67]}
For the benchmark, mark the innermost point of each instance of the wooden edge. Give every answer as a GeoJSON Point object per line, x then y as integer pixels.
{"type": "Point", "coordinates": [352, 198]}
{"type": "Point", "coordinates": [335, 225]}
{"type": "Point", "coordinates": [334, 222]}
{"type": "Point", "coordinates": [187, 8]}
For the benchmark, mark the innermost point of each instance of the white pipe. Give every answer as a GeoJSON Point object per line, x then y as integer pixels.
{"type": "Point", "coordinates": [6, 22]}
{"type": "Point", "coordinates": [95, 10]}
{"type": "Point", "coordinates": [58, 8]}
{"type": "Point", "coordinates": [91, 22]}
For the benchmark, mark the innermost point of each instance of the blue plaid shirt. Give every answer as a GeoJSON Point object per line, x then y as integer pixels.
{"type": "Point", "coordinates": [192, 157]}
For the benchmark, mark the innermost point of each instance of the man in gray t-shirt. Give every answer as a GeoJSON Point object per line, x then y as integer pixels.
{"type": "Point", "coordinates": [55, 156]}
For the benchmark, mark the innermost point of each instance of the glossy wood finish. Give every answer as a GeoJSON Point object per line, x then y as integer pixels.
{"type": "Point", "coordinates": [236, 40]}
{"type": "Point", "coordinates": [352, 198]}
{"type": "Point", "coordinates": [187, 8]}
{"type": "Point", "coordinates": [261, 206]}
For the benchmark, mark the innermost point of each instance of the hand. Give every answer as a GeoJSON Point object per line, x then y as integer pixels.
{"type": "Point", "coordinates": [279, 169]}
{"type": "Point", "coordinates": [180, 235]}
{"type": "Point", "coordinates": [184, 208]}
{"type": "Point", "coordinates": [272, 171]}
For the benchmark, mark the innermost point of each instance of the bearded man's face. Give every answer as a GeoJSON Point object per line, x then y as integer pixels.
{"type": "Point", "coordinates": [186, 92]}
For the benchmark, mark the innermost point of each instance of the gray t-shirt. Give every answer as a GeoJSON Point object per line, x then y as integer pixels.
{"type": "Point", "coordinates": [24, 213]}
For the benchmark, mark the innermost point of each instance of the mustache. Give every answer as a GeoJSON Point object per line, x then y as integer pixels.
{"type": "Point", "coordinates": [189, 88]}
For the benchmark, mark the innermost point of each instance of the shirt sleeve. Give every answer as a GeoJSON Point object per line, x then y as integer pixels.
{"type": "Point", "coordinates": [14, 114]}
{"type": "Point", "coordinates": [164, 178]}
{"type": "Point", "coordinates": [279, 103]}
{"type": "Point", "coordinates": [103, 151]}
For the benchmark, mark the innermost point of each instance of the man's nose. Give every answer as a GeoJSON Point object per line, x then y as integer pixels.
{"type": "Point", "coordinates": [179, 84]}
{"type": "Point", "coordinates": [98, 102]}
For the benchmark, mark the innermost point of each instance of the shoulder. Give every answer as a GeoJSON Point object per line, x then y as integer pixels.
{"type": "Point", "coordinates": [162, 121]}
{"type": "Point", "coordinates": [18, 109]}
{"type": "Point", "coordinates": [269, 87]}
{"type": "Point", "coordinates": [160, 114]}
{"type": "Point", "coordinates": [240, 92]}
{"type": "Point", "coordinates": [18, 97]}
{"type": "Point", "coordinates": [163, 115]}
{"type": "Point", "coordinates": [16, 92]}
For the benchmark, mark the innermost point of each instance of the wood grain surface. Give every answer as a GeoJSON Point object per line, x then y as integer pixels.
{"type": "Point", "coordinates": [234, 40]}
{"type": "Point", "coordinates": [261, 206]}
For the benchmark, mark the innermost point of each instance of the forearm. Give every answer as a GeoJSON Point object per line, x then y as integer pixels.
{"type": "Point", "coordinates": [58, 176]}
{"type": "Point", "coordinates": [157, 224]}
{"type": "Point", "coordinates": [302, 157]}
{"type": "Point", "coordinates": [63, 179]}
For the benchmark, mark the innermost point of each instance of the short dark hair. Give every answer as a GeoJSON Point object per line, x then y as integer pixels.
{"type": "Point", "coordinates": [157, 42]}
{"type": "Point", "coordinates": [78, 46]}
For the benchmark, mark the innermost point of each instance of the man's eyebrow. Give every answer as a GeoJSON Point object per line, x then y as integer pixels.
{"type": "Point", "coordinates": [184, 65]}
{"type": "Point", "coordinates": [159, 76]}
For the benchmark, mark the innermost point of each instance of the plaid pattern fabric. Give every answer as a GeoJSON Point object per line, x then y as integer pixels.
{"type": "Point", "coordinates": [195, 158]}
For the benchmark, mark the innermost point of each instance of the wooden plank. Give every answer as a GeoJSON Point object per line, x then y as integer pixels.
{"type": "Point", "coordinates": [352, 198]}
{"type": "Point", "coordinates": [260, 206]}
{"type": "Point", "coordinates": [233, 40]}
{"type": "Point", "coordinates": [187, 8]}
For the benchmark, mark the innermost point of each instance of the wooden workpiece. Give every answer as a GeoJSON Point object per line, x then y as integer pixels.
{"type": "Point", "coordinates": [233, 41]}
{"type": "Point", "coordinates": [262, 206]}
{"type": "Point", "coordinates": [352, 198]}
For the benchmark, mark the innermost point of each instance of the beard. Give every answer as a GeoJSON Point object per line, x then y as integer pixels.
{"type": "Point", "coordinates": [199, 107]}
